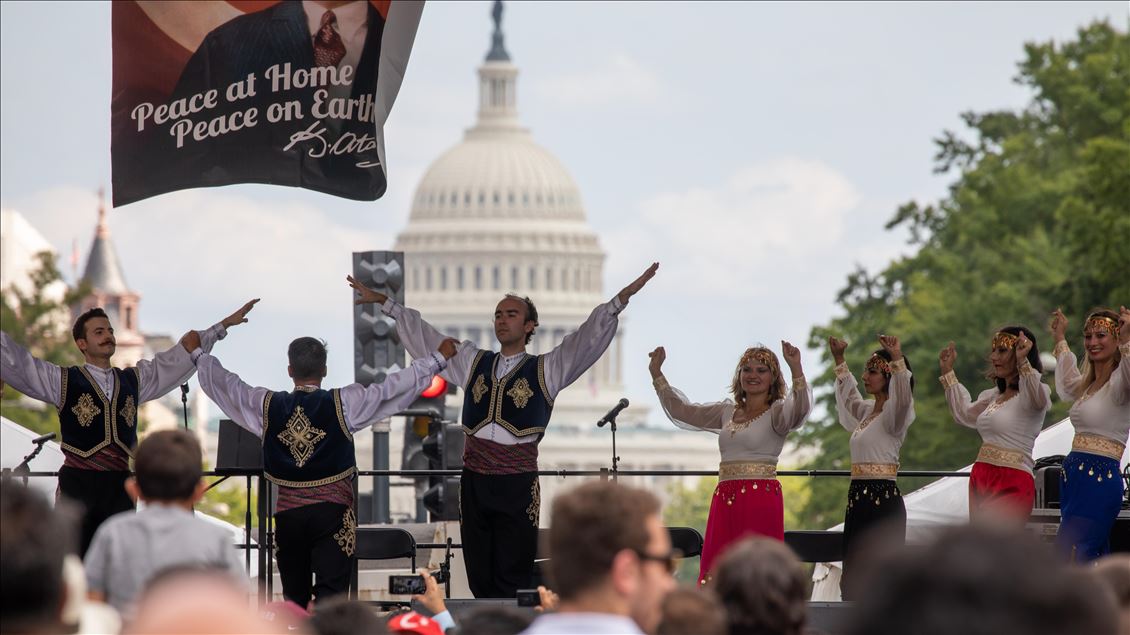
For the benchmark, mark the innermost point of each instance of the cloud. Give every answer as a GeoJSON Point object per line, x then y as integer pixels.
{"type": "Point", "coordinates": [739, 237]}
{"type": "Point", "coordinates": [621, 80]}
{"type": "Point", "coordinates": [196, 255]}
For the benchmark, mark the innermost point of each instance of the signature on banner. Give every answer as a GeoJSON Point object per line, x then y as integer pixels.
{"type": "Point", "coordinates": [320, 145]}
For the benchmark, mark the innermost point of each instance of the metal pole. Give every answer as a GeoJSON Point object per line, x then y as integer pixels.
{"type": "Point", "coordinates": [381, 513]}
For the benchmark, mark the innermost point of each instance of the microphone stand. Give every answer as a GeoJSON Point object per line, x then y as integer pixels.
{"type": "Point", "coordinates": [23, 469]}
{"type": "Point", "coordinates": [610, 418]}
{"type": "Point", "coordinates": [615, 458]}
{"type": "Point", "coordinates": [184, 402]}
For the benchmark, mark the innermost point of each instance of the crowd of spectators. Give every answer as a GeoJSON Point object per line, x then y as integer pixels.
{"type": "Point", "coordinates": [610, 569]}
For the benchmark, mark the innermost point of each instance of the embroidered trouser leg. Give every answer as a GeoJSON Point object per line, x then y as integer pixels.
{"type": "Point", "coordinates": [315, 540]}
{"type": "Point", "coordinates": [101, 495]}
{"type": "Point", "coordinates": [499, 525]}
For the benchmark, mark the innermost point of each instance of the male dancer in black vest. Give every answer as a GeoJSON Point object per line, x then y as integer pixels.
{"type": "Point", "coordinates": [98, 404]}
{"type": "Point", "coordinates": [308, 452]}
{"type": "Point", "coordinates": [507, 402]}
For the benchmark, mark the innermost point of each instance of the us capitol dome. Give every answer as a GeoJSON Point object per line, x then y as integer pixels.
{"type": "Point", "coordinates": [497, 214]}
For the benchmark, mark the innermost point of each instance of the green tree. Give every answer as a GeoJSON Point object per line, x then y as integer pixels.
{"type": "Point", "coordinates": [1037, 217]}
{"type": "Point", "coordinates": [36, 320]}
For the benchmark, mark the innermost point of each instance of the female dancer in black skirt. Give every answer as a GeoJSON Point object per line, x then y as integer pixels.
{"type": "Point", "coordinates": [878, 428]}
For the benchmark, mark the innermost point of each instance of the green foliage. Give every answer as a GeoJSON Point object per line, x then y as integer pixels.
{"type": "Point", "coordinates": [228, 501]}
{"type": "Point", "coordinates": [36, 321]}
{"type": "Point", "coordinates": [1037, 217]}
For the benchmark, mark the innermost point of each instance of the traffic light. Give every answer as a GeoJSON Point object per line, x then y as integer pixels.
{"type": "Point", "coordinates": [444, 451]}
{"type": "Point", "coordinates": [377, 351]}
{"type": "Point", "coordinates": [420, 421]}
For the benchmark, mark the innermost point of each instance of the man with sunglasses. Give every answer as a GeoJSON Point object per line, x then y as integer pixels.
{"type": "Point", "coordinates": [611, 562]}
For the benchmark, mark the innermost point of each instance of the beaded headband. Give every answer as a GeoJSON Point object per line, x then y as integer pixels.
{"type": "Point", "coordinates": [761, 356]}
{"type": "Point", "coordinates": [877, 363]}
{"type": "Point", "coordinates": [1005, 340]}
{"type": "Point", "coordinates": [1102, 323]}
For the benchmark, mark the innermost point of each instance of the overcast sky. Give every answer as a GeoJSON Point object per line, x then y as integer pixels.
{"type": "Point", "coordinates": [755, 150]}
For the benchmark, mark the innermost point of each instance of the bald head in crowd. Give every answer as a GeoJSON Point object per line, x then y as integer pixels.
{"type": "Point", "coordinates": [195, 600]}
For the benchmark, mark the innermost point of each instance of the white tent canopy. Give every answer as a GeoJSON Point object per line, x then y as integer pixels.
{"type": "Point", "coordinates": [940, 504]}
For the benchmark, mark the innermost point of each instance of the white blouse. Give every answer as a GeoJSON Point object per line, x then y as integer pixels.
{"type": "Point", "coordinates": [1104, 412]}
{"type": "Point", "coordinates": [875, 438]}
{"type": "Point", "coordinates": [760, 441]}
{"type": "Point", "coordinates": [1012, 424]}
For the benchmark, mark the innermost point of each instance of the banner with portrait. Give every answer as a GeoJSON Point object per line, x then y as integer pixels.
{"type": "Point", "coordinates": [291, 93]}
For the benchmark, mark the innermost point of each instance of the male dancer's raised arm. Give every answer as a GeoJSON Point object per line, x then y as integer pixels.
{"type": "Point", "coordinates": [42, 380]}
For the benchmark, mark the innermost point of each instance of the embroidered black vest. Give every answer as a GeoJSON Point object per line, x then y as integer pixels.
{"type": "Point", "coordinates": [305, 440]}
{"type": "Point", "coordinates": [90, 420]}
{"type": "Point", "coordinates": [518, 402]}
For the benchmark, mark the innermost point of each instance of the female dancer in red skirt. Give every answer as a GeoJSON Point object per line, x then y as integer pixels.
{"type": "Point", "coordinates": [878, 427]}
{"type": "Point", "coordinates": [1008, 417]}
{"type": "Point", "coordinates": [751, 431]}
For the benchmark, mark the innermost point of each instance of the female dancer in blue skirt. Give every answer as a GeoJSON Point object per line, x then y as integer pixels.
{"type": "Point", "coordinates": [1091, 492]}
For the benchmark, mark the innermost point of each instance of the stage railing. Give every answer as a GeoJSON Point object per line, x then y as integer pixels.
{"type": "Point", "coordinates": [265, 533]}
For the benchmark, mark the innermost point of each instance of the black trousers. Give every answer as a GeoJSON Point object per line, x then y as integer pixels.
{"type": "Point", "coordinates": [498, 518]}
{"type": "Point", "coordinates": [315, 540]}
{"type": "Point", "coordinates": [875, 508]}
{"type": "Point", "coordinates": [101, 494]}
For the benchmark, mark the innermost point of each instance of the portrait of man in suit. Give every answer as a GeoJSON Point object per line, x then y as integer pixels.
{"type": "Point", "coordinates": [313, 65]}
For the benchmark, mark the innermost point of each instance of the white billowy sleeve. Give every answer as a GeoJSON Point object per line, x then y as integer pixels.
{"type": "Point", "coordinates": [28, 374]}
{"type": "Point", "coordinates": [582, 348]}
{"type": "Point", "coordinates": [1120, 378]}
{"type": "Point", "coordinates": [900, 398]}
{"type": "Point", "coordinates": [420, 339]}
{"type": "Point", "coordinates": [851, 408]}
{"type": "Point", "coordinates": [964, 410]}
{"type": "Point", "coordinates": [795, 409]}
{"type": "Point", "coordinates": [1034, 393]}
{"type": "Point", "coordinates": [1068, 379]}
{"type": "Point", "coordinates": [238, 400]}
{"type": "Point", "coordinates": [171, 368]}
{"type": "Point", "coordinates": [364, 405]}
{"type": "Point", "coordinates": [691, 416]}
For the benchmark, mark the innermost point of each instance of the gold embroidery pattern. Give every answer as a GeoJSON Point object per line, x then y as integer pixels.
{"type": "Point", "coordinates": [1090, 465]}
{"type": "Point", "coordinates": [300, 436]}
{"type": "Point", "coordinates": [520, 392]}
{"type": "Point", "coordinates": [874, 470]}
{"type": "Point", "coordinates": [745, 469]}
{"type": "Point", "coordinates": [1094, 444]}
{"type": "Point", "coordinates": [866, 422]}
{"type": "Point", "coordinates": [997, 404]}
{"type": "Point", "coordinates": [1061, 347]}
{"type": "Point", "coordinates": [479, 389]}
{"type": "Point", "coordinates": [85, 410]}
{"type": "Point", "coordinates": [534, 510]}
{"type": "Point", "coordinates": [129, 412]}
{"type": "Point", "coordinates": [347, 537]}
{"type": "Point", "coordinates": [948, 380]}
{"type": "Point", "coordinates": [872, 492]}
{"type": "Point", "coordinates": [1001, 457]}
{"type": "Point", "coordinates": [735, 426]}
{"type": "Point", "coordinates": [725, 491]}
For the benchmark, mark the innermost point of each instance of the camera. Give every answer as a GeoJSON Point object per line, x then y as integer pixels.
{"type": "Point", "coordinates": [406, 584]}
{"type": "Point", "coordinates": [529, 597]}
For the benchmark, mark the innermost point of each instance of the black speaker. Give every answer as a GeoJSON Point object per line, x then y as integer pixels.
{"type": "Point", "coordinates": [1047, 486]}
{"type": "Point", "coordinates": [238, 451]}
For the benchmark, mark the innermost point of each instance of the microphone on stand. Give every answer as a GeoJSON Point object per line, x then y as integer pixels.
{"type": "Point", "coordinates": [610, 417]}
{"type": "Point", "coordinates": [40, 440]}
